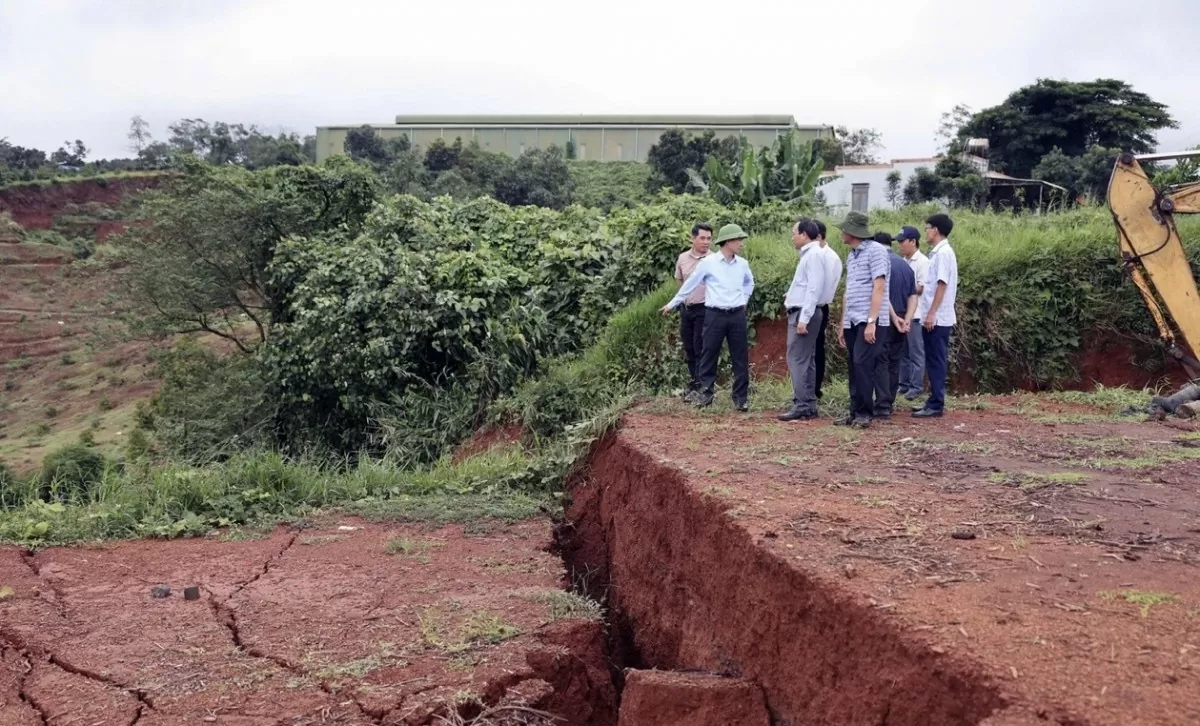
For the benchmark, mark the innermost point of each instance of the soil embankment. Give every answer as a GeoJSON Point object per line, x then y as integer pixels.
{"type": "Point", "coordinates": [983, 569]}
{"type": "Point", "coordinates": [35, 206]}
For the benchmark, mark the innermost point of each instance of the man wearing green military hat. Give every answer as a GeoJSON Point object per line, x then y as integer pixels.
{"type": "Point", "coordinates": [728, 284]}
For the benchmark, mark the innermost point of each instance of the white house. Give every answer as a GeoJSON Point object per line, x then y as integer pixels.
{"type": "Point", "coordinates": [864, 187]}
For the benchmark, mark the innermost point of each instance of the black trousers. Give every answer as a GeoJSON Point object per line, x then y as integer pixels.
{"type": "Point", "coordinates": [821, 348]}
{"type": "Point", "coordinates": [691, 332]}
{"type": "Point", "coordinates": [893, 345]}
{"type": "Point", "coordinates": [863, 357]}
{"type": "Point", "coordinates": [726, 326]}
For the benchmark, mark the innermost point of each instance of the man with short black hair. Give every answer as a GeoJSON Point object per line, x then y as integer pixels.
{"type": "Point", "coordinates": [691, 320]}
{"type": "Point", "coordinates": [728, 286]}
{"type": "Point", "coordinates": [867, 273]}
{"type": "Point", "coordinates": [902, 305]}
{"type": "Point", "coordinates": [833, 275]}
{"type": "Point", "coordinates": [912, 366]}
{"type": "Point", "coordinates": [804, 318]}
{"type": "Point", "coordinates": [936, 311]}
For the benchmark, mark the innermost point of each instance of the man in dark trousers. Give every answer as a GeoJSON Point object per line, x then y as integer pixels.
{"type": "Point", "coordinates": [728, 284]}
{"type": "Point", "coordinates": [936, 311]}
{"type": "Point", "coordinates": [833, 275]}
{"type": "Point", "coordinates": [691, 321]}
{"type": "Point", "coordinates": [902, 305]}
{"type": "Point", "coordinates": [867, 272]}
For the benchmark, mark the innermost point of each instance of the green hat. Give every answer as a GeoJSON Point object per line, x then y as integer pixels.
{"type": "Point", "coordinates": [855, 225]}
{"type": "Point", "coordinates": [730, 232]}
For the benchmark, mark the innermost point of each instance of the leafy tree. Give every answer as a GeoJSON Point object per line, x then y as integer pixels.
{"type": "Point", "coordinates": [677, 151]}
{"type": "Point", "coordinates": [71, 153]}
{"type": "Point", "coordinates": [440, 156]}
{"type": "Point", "coordinates": [1085, 175]}
{"type": "Point", "coordinates": [139, 135]}
{"type": "Point", "coordinates": [1073, 116]}
{"type": "Point", "coordinates": [366, 144]}
{"type": "Point", "coordinates": [539, 177]}
{"type": "Point", "coordinates": [893, 187]}
{"type": "Point", "coordinates": [198, 261]}
{"type": "Point", "coordinates": [954, 179]}
{"type": "Point", "coordinates": [18, 157]}
{"type": "Point", "coordinates": [848, 148]}
{"type": "Point", "coordinates": [950, 128]}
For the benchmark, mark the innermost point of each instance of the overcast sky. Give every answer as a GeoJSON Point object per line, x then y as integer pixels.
{"type": "Point", "coordinates": [81, 68]}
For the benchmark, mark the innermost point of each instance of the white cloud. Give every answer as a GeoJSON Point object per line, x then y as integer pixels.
{"type": "Point", "coordinates": [82, 68]}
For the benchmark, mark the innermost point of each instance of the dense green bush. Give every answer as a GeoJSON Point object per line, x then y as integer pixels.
{"type": "Point", "coordinates": [609, 184]}
{"type": "Point", "coordinates": [70, 472]}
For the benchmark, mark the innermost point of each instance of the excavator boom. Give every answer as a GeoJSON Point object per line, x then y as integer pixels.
{"type": "Point", "coordinates": [1153, 253]}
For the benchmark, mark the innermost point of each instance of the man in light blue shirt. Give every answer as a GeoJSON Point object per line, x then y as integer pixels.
{"type": "Point", "coordinates": [868, 270]}
{"type": "Point", "coordinates": [728, 284]}
{"type": "Point", "coordinates": [936, 311]}
{"type": "Point", "coordinates": [805, 318]}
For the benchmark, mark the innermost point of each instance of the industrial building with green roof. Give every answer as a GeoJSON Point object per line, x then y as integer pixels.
{"type": "Point", "coordinates": [602, 138]}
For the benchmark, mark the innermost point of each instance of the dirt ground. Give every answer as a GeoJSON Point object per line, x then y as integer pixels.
{"type": "Point", "coordinates": [342, 622]}
{"type": "Point", "coordinates": [1030, 563]}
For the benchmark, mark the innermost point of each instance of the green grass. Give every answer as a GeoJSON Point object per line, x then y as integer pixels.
{"type": "Point", "coordinates": [417, 549]}
{"type": "Point", "coordinates": [564, 605]}
{"type": "Point", "coordinates": [1146, 460]}
{"type": "Point", "coordinates": [474, 629]}
{"type": "Point", "coordinates": [1144, 599]}
{"type": "Point", "coordinates": [1032, 481]}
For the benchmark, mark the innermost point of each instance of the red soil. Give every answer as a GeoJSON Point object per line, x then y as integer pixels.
{"type": "Point", "coordinates": [35, 206]}
{"type": "Point", "coordinates": [1109, 362]}
{"type": "Point", "coordinates": [819, 562]}
{"type": "Point", "coordinates": [312, 626]}
{"type": "Point", "coordinates": [664, 698]}
{"type": "Point", "coordinates": [488, 438]}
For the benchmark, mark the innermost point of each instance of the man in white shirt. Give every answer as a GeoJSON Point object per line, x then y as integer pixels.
{"type": "Point", "coordinates": [936, 311]}
{"type": "Point", "coordinates": [912, 366]}
{"type": "Point", "coordinates": [691, 320]}
{"type": "Point", "coordinates": [728, 285]}
{"type": "Point", "coordinates": [804, 318]}
{"type": "Point", "coordinates": [833, 275]}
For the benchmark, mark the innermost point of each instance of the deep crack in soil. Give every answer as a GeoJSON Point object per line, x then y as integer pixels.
{"type": "Point", "coordinates": [915, 573]}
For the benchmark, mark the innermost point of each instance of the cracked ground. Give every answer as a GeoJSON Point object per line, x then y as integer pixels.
{"type": "Point", "coordinates": [347, 622]}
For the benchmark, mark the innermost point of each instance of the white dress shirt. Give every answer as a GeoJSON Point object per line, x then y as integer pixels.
{"type": "Point", "coordinates": [727, 283]}
{"type": "Point", "coordinates": [833, 274]}
{"type": "Point", "coordinates": [943, 267]}
{"type": "Point", "coordinates": [808, 284]}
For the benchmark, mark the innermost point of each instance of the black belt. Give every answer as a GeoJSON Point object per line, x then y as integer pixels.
{"type": "Point", "coordinates": [796, 310]}
{"type": "Point", "coordinates": [689, 306]}
{"type": "Point", "coordinates": [738, 309]}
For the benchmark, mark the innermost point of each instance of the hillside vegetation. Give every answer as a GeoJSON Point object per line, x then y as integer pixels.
{"type": "Point", "coordinates": [373, 333]}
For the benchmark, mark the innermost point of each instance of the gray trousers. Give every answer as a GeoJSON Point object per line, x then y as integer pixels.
{"type": "Point", "coordinates": [802, 361]}
{"type": "Point", "coordinates": [912, 365]}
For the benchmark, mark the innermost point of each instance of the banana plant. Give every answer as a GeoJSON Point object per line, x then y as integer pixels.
{"type": "Point", "coordinates": [788, 171]}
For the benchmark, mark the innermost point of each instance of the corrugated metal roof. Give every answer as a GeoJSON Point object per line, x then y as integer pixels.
{"type": "Point", "coordinates": [594, 119]}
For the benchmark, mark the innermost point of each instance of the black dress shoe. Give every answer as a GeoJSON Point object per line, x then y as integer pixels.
{"type": "Point", "coordinates": [926, 413]}
{"type": "Point", "coordinates": [742, 407]}
{"type": "Point", "coordinates": [796, 415]}
{"type": "Point", "coordinates": [882, 414]}
{"type": "Point", "coordinates": [702, 399]}
{"type": "Point", "coordinates": [843, 421]}
{"type": "Point", "coordinates": [860, 423]}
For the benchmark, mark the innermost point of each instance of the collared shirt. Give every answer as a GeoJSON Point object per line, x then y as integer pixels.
{"type": "Point", "coordinates": [727, 283]}
{"type": "Point", "coordinates": [920, 266]}
{"type": "Point", "coordinates": [943, 267]}
{"type": "Point", "coordinates": [901, 285]}
{"type": "Point", "coordinates": [684, 267]}
{"type": "Point", "coordinates": [833, 274]}
{"type": "Point", "coordinates": [864, 266]}
{"type": "Point", "coordinates": [808, 284]}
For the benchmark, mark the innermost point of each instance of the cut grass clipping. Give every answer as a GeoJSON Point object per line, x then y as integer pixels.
{"type": "Point", "coordinates": [1028, 481]}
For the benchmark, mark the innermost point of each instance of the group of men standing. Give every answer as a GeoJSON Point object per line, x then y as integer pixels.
{"type": "Point", "coordinates": [897, 315]}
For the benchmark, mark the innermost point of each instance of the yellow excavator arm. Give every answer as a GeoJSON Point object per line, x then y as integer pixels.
{"type": "Point", "coordinates": [1153, 254]}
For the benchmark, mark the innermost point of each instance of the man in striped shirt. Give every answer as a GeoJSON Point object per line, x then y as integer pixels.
{"type": "Point", "coordinates": [868, 270]}
{"type": "Point", "coordinates": [804, 320]}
